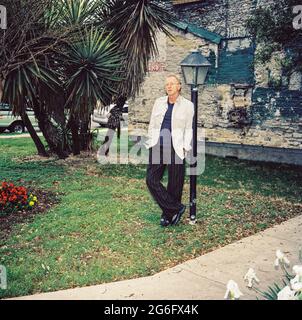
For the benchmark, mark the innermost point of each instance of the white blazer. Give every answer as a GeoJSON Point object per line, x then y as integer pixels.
{"type": "Point", "coordinates": [182, 121]}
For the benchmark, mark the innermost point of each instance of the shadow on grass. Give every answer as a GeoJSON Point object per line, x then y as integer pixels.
{"type": "Point", "coordinates": [268, 179]}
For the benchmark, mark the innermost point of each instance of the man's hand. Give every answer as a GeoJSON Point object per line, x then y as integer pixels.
{"type": "Point", "coordinates": [185, 152]}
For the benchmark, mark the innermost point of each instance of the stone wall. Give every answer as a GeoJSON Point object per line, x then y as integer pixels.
{"type": "Point", "coordinates": [167, 62]}
{"type": "Point", "coordinates": [277, 102]}
{"type": "Point", "coordinates": [238, 105]}
{"type": "Point", "coordinates": [225, 17]}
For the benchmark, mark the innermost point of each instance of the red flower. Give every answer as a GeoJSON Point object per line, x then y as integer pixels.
{"type": "Point", "coordinates": [12, 196]}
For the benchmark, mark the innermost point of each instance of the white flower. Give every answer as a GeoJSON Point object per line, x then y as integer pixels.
{"type": "Point", "coordinates": [297, 270]}
{"type": "Point", "coordinates": [296, 284]}
{"type": "Point", "coordinates": [286, 294]}
{"type": "Point", "coordinates": [233, 291]}
{"type": "Point", "coordinates": [281, 259]}
{"type": "Point", "coordinates": [250, 277]}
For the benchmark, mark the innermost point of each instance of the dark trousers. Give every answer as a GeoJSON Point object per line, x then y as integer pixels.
{"type": "Point", "coordinates": [168, 199]}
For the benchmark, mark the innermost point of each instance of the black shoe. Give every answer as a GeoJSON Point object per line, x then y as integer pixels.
{"type": "Point", "coordinates": [178, 215]}
{"type": "Point", "coordinates": [162, 218]}
{"type": "Point", "coordinates": [164, 222]}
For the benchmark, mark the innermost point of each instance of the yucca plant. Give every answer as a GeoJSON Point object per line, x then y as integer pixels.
{"type": "Point", "coordinates": [61, 57]}
{"type": "Point", "coordinates": [92, 70]}
{"type": "Point", "coordinates": [92, 67]}
{"type": "Point", "coordinates": [78, 12]}
{"type": "Point", "coordinates": [25, 45]}
{"type": "Point", "coordinates": [134, 25]}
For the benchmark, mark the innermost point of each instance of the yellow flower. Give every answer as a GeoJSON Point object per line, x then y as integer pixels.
{"type": "Point", "coordinates": [31, 203]}
{"type": "Point", "coordinates": [35, 199]}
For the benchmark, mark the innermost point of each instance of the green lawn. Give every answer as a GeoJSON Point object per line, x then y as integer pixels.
{"type": "Point", "coordinates": [106, 226]}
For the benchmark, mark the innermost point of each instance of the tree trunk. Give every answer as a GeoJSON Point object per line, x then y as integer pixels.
{"type": "Point", "coordinates": [86, 135]}
{"type": "Point", "coordinates": [74, 126]}
{"type": "Point", "coordinates": [119, 131]}
{"type": "Point", "coordinates": [53, 137]}
{"type": "Point", "coordinates": [39, 145]}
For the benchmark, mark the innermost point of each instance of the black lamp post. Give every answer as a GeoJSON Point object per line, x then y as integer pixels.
{"type": "Point", "coordinates": [195, 68]}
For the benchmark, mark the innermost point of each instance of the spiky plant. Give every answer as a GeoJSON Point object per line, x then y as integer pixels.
{"type": "Point", "coordinates": [61, 57]}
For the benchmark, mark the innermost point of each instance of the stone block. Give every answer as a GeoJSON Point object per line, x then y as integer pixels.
{"type": "Point", "coordinates": [297, 135]}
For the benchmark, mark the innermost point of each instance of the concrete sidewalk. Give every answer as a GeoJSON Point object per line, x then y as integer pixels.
{"type": "Point", "coordinates": [203, 278]}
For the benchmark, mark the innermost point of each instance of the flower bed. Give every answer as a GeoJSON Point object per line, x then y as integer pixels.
{"type": "Point", "coordinates": [14, 198]}
{"type": "Point", "coordinates": [18, 204]}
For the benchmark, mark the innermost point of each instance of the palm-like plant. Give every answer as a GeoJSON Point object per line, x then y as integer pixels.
{"type": "Point", "coordinates": [91, 68]}
{"type": "Point", "coordinates": [92, 71]}
{"type": "Point", "coordinates": [134, 25]}
{"type": "Point", "coordinates": [69, 54]}
{"type": "Point", "coordinates": [77, 12]}
{"type": "Point", "coordinates": [25, 46]}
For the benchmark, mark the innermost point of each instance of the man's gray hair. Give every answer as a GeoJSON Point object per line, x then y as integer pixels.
{"type": "Point", "coordinates": [176, 76]}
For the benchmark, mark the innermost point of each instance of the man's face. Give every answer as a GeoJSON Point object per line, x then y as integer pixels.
{"type": "Point", "coordinates": [172, 86]}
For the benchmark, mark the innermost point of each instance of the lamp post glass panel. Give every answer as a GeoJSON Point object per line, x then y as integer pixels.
{"type": "Point", "coordinates": [194, 68]}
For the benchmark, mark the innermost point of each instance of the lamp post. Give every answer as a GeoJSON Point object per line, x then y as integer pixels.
{"type": "Point", "coordinates": [195, 68]}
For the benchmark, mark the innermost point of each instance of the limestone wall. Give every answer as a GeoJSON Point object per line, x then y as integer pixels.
{"type": "Point", "coordinates": [267, 116]}
{"type": "Point", "coordinates": [226, 17]}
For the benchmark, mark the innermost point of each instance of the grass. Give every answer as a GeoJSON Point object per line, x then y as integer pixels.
{"type": "Point", "coordinates": [106, 226]}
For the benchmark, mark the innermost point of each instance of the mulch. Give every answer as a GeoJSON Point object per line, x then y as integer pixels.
{"type": "Point", "coordinates": [46, 200]}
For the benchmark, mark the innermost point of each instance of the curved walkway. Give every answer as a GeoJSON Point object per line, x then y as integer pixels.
{"type": "Point", "coordinates": [205, 277]}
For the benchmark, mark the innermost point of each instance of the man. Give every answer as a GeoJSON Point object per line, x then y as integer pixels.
{"type": "Point", "coordinates": [169, 140]}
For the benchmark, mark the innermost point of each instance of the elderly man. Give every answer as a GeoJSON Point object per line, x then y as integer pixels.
{"type": "Point", "coordinates": [169, 140]}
